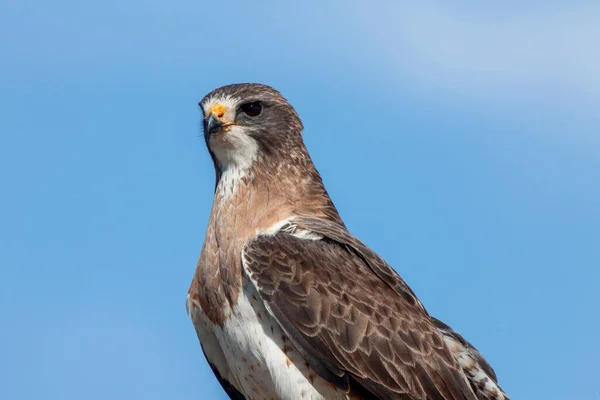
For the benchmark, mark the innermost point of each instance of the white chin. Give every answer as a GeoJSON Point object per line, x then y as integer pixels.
{"type": "Point", "coordinates": [234, 148]}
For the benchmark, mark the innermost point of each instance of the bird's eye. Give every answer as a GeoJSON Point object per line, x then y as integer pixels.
{"type": "Point", "coordinates": [252, 109]}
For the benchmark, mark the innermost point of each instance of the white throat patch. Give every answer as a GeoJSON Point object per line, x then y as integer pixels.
{"type": "Point", "coordinates": [234, 148]}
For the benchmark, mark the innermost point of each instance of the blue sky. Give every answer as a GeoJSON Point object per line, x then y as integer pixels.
{"type": "Point", "coordinates": [459, 141]}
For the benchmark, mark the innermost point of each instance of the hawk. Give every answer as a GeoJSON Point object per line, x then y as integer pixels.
{"type": "Point", "coordinates": [286, 302]}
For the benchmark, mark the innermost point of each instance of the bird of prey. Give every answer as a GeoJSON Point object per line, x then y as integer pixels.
{"type": "Point", "coordinates": [286, 302]}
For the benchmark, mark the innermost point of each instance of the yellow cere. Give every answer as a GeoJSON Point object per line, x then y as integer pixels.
{"type": "Point", "coordinates": [218, 110]}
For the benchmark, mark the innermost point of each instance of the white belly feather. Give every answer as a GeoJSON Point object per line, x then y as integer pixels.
{"type": "Point", "coordinates": [264, 361]}
{"type": "Point", "coordinates": [259, 358]}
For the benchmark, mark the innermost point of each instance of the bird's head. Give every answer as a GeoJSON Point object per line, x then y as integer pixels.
{"type": "Point", "coordinates": [248, 122]}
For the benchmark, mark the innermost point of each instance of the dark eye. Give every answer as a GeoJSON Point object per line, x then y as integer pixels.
{"type": "Point", "coordinates": [251, 109]}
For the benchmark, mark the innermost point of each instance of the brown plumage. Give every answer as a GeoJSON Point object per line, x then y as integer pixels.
{"type": "Point", "coordinates": [287, 303]}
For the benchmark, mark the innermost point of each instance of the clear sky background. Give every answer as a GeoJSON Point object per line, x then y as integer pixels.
{"type": "Point", "coordinates": [460, 141]}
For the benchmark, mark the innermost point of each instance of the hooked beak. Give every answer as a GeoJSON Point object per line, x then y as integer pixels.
{"type": "Point", "coordinates": [214, 121]}
{"type": "Point", "coordinates": [212, 124]}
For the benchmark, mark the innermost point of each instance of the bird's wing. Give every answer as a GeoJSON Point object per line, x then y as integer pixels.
{"type": "Point", "coordinates": [355, 321]}
{"type": "Point", "coordinates": [480, 374]}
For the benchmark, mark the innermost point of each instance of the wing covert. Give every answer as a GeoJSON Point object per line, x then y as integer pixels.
{"type": "Point", "coordinates": [352, 317]}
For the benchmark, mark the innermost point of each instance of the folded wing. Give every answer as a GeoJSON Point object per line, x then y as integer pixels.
{"type": "Point", "coordinates": [351, 316]}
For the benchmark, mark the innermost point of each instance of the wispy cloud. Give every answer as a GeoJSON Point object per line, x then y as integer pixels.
{"type": "Point", "coordinates": [533, 49]}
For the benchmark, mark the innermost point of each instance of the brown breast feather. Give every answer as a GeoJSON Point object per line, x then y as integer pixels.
{"type": "Point", "coordinates": [272, 194]}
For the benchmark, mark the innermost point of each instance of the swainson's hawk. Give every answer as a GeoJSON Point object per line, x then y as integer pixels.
{"type": "Point", "coordinates": [286, 302]}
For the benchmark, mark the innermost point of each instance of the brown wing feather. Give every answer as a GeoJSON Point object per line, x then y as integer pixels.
{"type": "Point", "coordinates": [351, 315]}
{"type": "Point", "coordinates": [478, 371]}
{"type": "Point", "coordinates": [485, 366]}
